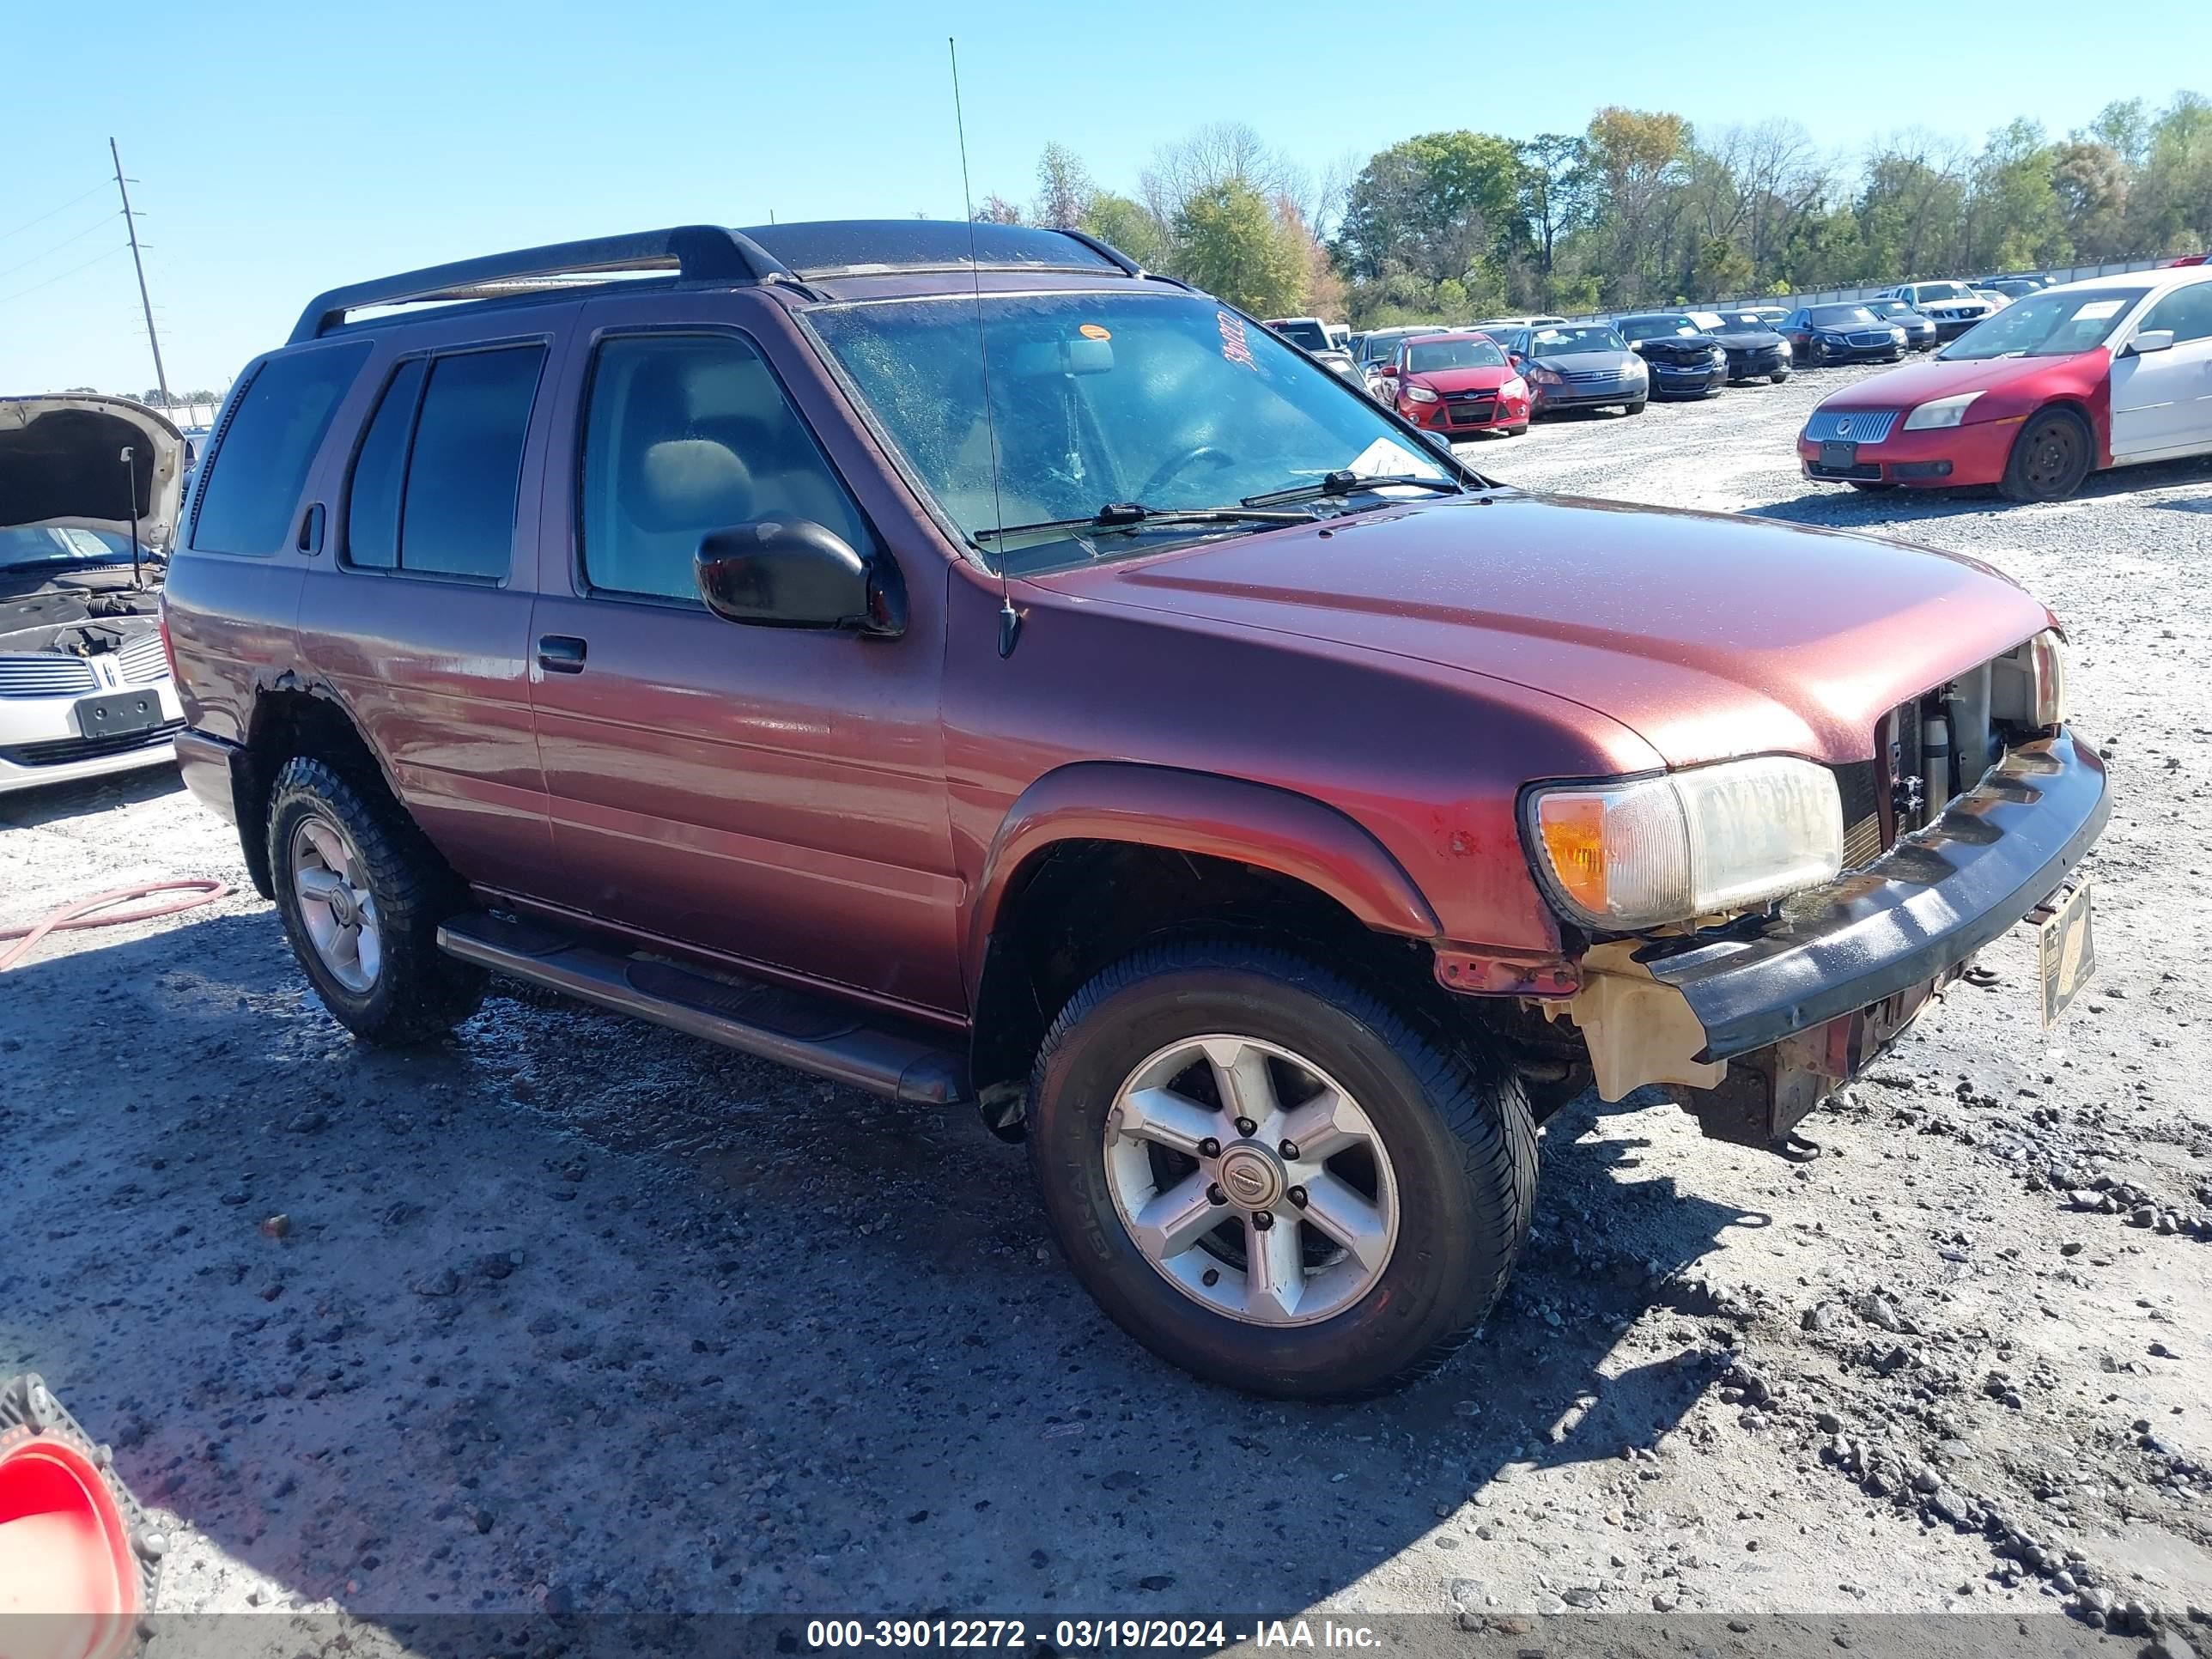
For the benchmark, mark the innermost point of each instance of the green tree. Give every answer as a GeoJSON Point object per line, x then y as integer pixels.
{"type": "Point", "coordinates": [1229, 241]}
{"type": "Point", "coordinates": [1557, 198]}
{"type": "Point", "coordinates": [1063, 188]}
{"type": "Point", "coordinates": [1639, 160]}
{"type": "Point", "coordinates": [1127, 225]}
{"type": "Point", "coordinates": [1441, 206]}
{"type": "Point", "coordinates": [2090, 181]}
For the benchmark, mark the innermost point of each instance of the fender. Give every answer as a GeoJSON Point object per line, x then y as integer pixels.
{"type": "Point", "coordinates": [1253, 823]}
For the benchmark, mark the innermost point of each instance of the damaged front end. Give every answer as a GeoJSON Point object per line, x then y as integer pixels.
{"type": "Point", "coordinates": [1751, 1019]}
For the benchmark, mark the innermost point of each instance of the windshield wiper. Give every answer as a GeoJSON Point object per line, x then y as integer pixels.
{"type": "Point", "coordinates": [1345, 483]}
{"type": "Point", "coordinates": [1131, 515]}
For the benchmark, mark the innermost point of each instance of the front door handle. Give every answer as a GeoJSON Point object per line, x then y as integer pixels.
{"type": "Point", "coordinates": [561, 653]}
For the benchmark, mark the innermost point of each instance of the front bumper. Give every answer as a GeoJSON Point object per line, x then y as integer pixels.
{"type": "Point", "coordinates": [1934, 458]}
{"type": "Point", "coordinates": [1669, 380]}
{"type": "Point", "coordinates": [42, 741]}
{"type": "Point", "coordinates": [1549, 399]}
{"type": "Point", "coordinates": [1485, 415]}
{"type": "Point", "coordinates": [1908, 919]}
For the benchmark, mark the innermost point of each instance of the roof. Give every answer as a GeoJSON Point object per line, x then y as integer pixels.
{"type": "Point", "coordinates": [2159, 279]}
{"type": "Point", "coordinates": [714, 256]}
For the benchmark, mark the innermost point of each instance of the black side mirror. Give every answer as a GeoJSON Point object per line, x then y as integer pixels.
{"type": "Point", "coordinates": [793, 573]}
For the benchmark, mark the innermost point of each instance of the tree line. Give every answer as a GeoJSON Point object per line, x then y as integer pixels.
{"type": "Point", "coordinates": [1638, 209]}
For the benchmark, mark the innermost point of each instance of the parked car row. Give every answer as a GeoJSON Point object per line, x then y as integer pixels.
{"type": "Point", "coordinates": [2107, 371]}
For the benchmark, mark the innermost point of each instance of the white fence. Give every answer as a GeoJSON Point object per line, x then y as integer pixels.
{"type": "Point", "coordinates": [1847, 296]}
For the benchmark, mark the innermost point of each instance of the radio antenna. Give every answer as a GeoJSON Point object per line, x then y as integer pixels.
{"type": "Point", "coordinates": [1010, 620]}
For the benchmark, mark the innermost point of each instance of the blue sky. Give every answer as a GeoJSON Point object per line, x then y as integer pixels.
{"type": "Point", "coordinates": [282, 150]}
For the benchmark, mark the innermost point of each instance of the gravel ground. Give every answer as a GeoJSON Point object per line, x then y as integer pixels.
{"type": "Point", "coordinates": [573, 1313]}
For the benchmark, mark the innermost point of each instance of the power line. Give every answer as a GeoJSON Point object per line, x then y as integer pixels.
{"type": "Point", "coordinates": [43, 217]}
{"type": "Point", "coordinates": [98, 224]}
{"type": "Point", "coordinates": [118, 248]}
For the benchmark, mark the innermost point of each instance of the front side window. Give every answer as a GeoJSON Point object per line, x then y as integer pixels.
{"type": "Point", "coordinates": [434, 483]}
{"type": "Point", "coordinates": [685, 434]}
{"type": "Point", "coordinates": [244, 497]}
{"type": "Point", "coordinates": [1102, 399]}
{"type": "Point", "coordinates": [2045, 325]}
{"type": "Point", "coordinates": [2186, 311]}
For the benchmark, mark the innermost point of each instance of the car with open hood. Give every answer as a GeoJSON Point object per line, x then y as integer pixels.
{"type": "Point", "coordinates": [1459, 384]}
{"type": "Point", "coordinates": [88, 493]}
{"type": "Point", "coordinates": [1577, 366]}
{"type": "Point", "coordinates": [1685, 361]}
{"type": "Point", "coordinates": [2111, 371]}
{"type": "Point", "coordinates": [954, 660]}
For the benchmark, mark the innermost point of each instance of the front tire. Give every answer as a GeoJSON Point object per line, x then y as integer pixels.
{"type": "Point", "coordinates": [2050, 458]}
{"type": "Point", "coordinates": [1636, 407]}
{"type": "Point", "coordinates": [361, 893]}
{"type": "Point", "coordinates": [1164, 1115]}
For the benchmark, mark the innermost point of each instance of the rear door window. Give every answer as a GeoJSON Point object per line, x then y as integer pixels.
{"type": "Point", "coordinates": [434, 484]}
{"type": "Point", "coordinates": [245, 495]}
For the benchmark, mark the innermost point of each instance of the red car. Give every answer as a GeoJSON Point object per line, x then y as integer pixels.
{"type": "Point", "coordinates": [2109, 372]}
{"type": "Point", "coordinates": [1455, 383]}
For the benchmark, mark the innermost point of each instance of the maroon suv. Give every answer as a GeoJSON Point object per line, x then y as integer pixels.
{"type": "Point", "coordinates": [979, 669]}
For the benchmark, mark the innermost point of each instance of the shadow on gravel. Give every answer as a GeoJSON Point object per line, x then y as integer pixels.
{"type": "Point", "coordinates": [1841, 506]}
{"type": "Point", "coordinates": [28, 809]}
{"type": "Point", "coordinates": [569, 1312]}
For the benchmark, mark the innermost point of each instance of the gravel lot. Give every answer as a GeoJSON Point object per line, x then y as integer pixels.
{"type": "Point", "coordinates": [571, 1312]}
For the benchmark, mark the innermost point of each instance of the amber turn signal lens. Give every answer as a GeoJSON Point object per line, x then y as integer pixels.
{"type": "Point", "coordinates": [1573, 828]}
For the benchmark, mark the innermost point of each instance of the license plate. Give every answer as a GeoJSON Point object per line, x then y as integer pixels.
{"type": "Point", "coordinates": [1839, 455]}
{"type": "Point", "coordinates": [119, 716]}
{"type": "Point", "coordinates": [2065, 950]}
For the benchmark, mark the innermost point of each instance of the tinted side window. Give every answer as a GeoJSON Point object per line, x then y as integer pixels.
{"type": "Point", "coordinates": [683, 435]}
{"type": "Point", "coordinates": [456, 511]}
{"type": "Point", "coordinates": [244, 495]}
{"type": "Point", "coordinates": [2186, 311]}
{"type": "Point", "coordinates": [379, 471]}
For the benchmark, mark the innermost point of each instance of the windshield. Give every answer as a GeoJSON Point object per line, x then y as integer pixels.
{"type": "Point", "coordinates": [43, 544]}
{"type": "Point", "coordinates": [1887, 308]}
{"type": "Point", "coordinates": [1926, 291]}
{"type": "Point", "coordinates": [1299, 330]}
{"type": "Point", "coordinates": [1654, 328]}
{"type": "Point", "coordinates": [1565, 342]}
{"type": "Point", "coordinates": [1711, 321]}
{"type": "Point", "coordinates": [1430, 356]}
{"type": "Point", "coordinates": [1831, 316]}
{"type": "Point", "coordinates": [1098, 398]}
{"type": "Point", "coordinates": [2045, 325]}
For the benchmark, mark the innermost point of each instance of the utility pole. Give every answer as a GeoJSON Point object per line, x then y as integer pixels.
{"type": "Point", "coordinates": [131, 225]}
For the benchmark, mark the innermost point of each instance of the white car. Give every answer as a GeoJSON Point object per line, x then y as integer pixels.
{"type": "Point", "coordinates": [1953, 307]}
{"type": "Point", "coordinates": [89, 489]}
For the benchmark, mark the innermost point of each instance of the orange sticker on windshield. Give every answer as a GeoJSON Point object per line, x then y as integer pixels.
{"type": "Point", "coordinates": [1092, 332]}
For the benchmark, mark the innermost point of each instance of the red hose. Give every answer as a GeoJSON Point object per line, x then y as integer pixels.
{"type": "Point", "coordinates": [79, 913]}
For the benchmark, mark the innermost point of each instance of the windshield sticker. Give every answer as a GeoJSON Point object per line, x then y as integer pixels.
{"type": "Point", "coordinates": [1549, 335]}
{"type": "Point", "coordinates": [1234, 346]}
{"type": "Point", "coordinates": [1385, 459]}
{"type": "Point", "coordinates": [2099, 308]}
{"type": "Point", "coordinates": [1093, 332]}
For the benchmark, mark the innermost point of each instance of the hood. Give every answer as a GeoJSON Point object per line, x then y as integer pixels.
{"type": "Point", "coordinates": [1464, 379]}
{"type": "Point", "coordinates": [1675, 345]}
{"type": "Point", "coordinates": [1708, 635]}
{"type": "Point", "coordinates": [1749, 339]}
{"type": "Point", "coordinates": [1919, 383]}
{"type": "Point", "coordinates": [1588, 362]}
{"type": "Point", "coordinates": [61, 463]}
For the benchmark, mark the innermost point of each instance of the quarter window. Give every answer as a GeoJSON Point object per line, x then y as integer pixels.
{"type": "Point", "coordinates": [682, 436]}
{"type": "Point", "coordinates": [247, 491]}
{"type": "Point", "coordinates": [434, 484]}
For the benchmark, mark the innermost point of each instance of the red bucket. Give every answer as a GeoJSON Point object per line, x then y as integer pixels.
{"type": "Point", "coordinates": [72, 1585]}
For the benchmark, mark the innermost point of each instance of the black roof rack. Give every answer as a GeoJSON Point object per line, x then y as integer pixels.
{"type": "Point", "coordinates": [704, 256]}
{"type": "Point", "coordinates": [709, 256]}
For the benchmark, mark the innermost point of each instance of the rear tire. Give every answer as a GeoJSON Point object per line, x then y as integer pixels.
{"type": "Point", "coordinates": [1449, 1186]}
{"type": "Point", "coordinates": [2052, 454]}
{"type": "Point", "coordinates": [361, 893]}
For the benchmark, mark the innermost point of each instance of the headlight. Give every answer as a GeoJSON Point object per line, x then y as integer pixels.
{"type": "Point", "coordinates": [2046, 654]}
{"type": "Point", "coordinates": [1944, 411]}
{"type": "Point", "coordinates": [1419, 394]}
{"type": "Point", "coordinates": [1832, 339]}
{"type": "Point", "coordinates": [1515, 387]}
{"type": "Point", "coordinates": [1543, 376]}
{"type": "Point", "coordinates": [1621, 856]}
{"type": "Point", "coordinates": [1786, 349]}
{"type": "Point", "coordinates": [1900, 333]}
{"type": "Point", "coordinates": [1720, 355]}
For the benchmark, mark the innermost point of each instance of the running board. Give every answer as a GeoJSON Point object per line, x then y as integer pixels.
{"type": "Point", "coordinates": [814, 1032]}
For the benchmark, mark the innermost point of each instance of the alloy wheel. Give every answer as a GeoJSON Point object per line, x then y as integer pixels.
{"type": "Point", "coordinates": [1251, 1181]}
{"type": "Point", "coordinates": [336, 906]}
